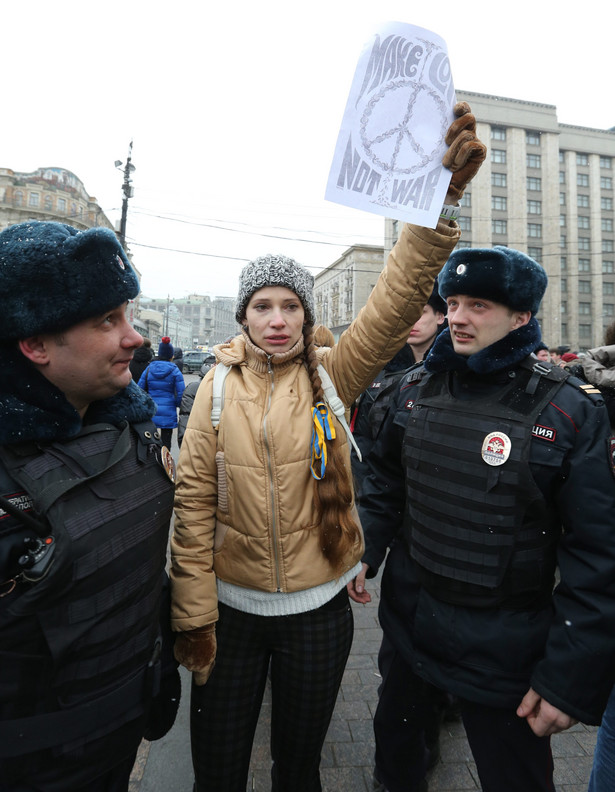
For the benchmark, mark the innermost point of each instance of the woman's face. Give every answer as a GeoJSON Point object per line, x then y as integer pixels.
{"type": "Point", "coordinates": [274, 317]}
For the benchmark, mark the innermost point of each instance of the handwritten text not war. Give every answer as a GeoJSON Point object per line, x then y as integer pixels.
{"type": "Point", "coordinates": [357, 175]}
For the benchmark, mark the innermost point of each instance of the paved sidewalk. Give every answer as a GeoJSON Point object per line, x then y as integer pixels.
{"type": "Point", "coordinates": [347, 760]}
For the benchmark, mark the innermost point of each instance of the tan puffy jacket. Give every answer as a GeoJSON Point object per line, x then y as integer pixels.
{"type": "Point", "coordinates": [244, 498]}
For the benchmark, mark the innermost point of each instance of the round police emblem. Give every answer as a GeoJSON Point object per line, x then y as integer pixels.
{"type": "Point", "coordinates": [461, 269]}
{"type": "Point", "coordinates": [168, 463]}
{"type": "Point", "coordinates": [496, 448]}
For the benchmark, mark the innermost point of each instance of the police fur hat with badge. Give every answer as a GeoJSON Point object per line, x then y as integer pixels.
{"type": "Point", "coordinates": [500, 274]}
{"type": "Point", "coordinates": [53, 276]}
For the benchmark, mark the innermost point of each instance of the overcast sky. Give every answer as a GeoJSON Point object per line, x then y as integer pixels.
{"type": "Point", "coordinates": [234, 109]}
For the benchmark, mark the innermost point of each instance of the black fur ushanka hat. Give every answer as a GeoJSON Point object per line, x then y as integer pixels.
{"type": "Point", "coordinates": [53, 276]}
{"type": "Point", "coordinates": [500, 274]}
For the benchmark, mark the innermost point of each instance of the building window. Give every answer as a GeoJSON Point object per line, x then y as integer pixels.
{"type": "Point", "coordinates": [608, 267]}
{"type": "Point", "coordinates": [34, 199]}
{"type": "Point", "coordinates": [585, 287]}
{"type": "Point", "coordinates": [18, 198]}
{"type": "Point", "coordinates": [608, 309]}
{"type": "Point", "coordinates": [534, 229]}
{"type": "Point", "coordinates": [585, 331]}
{"type": "Point", "coordinates": [466, 199]}
{"type": "Point", "coordinates": [561, 156]}
{"type": "Point", "coordinates": [498, 179]}
{"type": "Point", "coordinates": [583, 201]}
{"type": "Point", "coordinates": [463, 243]}
{"type": "Point", "coordinates": [563, 307]}
{"type": "Point", "coordinates": [61, 204]}
{"type": "Point", "coordinates": [534, 183]}
{"type": "Point", "coordinates": [606, 182]}
{"type": "Point", "coordinates": [608, 288]}
{"type": "Point", "coordinates": [499, 156]}
{"type": "Point", "coordinates": [562, 177]}
{"type": "Point", "coordinates": [607, 245]}
{"type": "Point", "coordinates": [532, 138]}
{"type": "Point", "coordinates": [533, 160]}
{"type": "Point", "coordinates": [535, 253]}
{"type": "Point", "coordinates": [562, 199]}
{"type": "Point", "coordinates": [562, 221]}
{"type": "Point", "coordinates": [498, 133]}
{"type": "Point", "coordinates": [584, 243]}
{"type": "Point", "coordinates": [465, 223]}
{"type": "Point", "coordinates": [584, 265]}
{"type": "Point", "coordinates": [563, 263]}
{"type": "Point", "coordinates": [48, 203]}
{"type": "Point", "coordinates": [534, 207]}
{"type": "Point", "coordinates": [582, 159]}
{"type": "Point", "coordinates": [564, 282]}
{"type": "Point", "coordinates": [582, 180]}
{"type": "Point", "coordinates": [498, 226]}
{"type": "Point", "coordinates": [607, 223]}
{"type": "Point", "coordinates": [582, 221]}
{"type": "Point", "coordinates": [607, 204]}
{"type": "Point", "coordinates": [562, 240]}
{"type": "Point", "coordinates": [585, 308]}
{"type": "Point", "coordinates": [605, 162]}
{"type": "Point", "coordinates": [498, 202]}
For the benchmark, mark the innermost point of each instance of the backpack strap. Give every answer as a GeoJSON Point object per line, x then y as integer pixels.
{"type": "Point", "coordinates": [337, 405]}
{"type": "Point", "coordinates": [220, 374]}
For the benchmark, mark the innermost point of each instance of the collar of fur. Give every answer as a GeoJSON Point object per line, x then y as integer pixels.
{"type": "Point", "coordinates": [242, 350]}
{"type": "Point", "coordinates": [508, 351]}
{"type": "Point", "coordinates": [32, 408]}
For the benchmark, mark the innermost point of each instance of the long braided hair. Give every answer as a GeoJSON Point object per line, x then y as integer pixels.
{"type": "Point", "coordinates": [333, 492]}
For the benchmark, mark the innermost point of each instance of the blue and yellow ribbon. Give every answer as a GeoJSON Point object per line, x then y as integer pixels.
{"type": "Point", "coordinates": [323, 430]}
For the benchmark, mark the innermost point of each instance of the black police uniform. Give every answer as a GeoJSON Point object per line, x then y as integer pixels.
{"type": "Point", "coordinates": [83, 541]}
{"type": "Point", "coordinates": [498, 476]}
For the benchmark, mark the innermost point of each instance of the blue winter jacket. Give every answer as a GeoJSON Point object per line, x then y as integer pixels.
{"type": "Point", "coordinates": [165, 384]}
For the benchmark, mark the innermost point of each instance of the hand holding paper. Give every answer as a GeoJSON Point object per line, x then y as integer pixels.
{"type": "Point", "coordinates": [465, 154]}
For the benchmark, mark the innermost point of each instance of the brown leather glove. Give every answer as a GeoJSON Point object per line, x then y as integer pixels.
{"type": "Point", "coordinates": [465, 154]}
{"type": "Point", "coordinates": [196, 650]}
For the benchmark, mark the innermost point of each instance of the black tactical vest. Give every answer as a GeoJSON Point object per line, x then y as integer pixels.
{"type": "Point", "coordinates": [478, 526]}
{"type": "Point", "coordinates": [108, 503]}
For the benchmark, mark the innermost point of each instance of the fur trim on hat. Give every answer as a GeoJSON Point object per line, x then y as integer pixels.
{"type": "Point", "coordinates": [500, 274]}
{"type": "Point", "coordinates": [274, 270]}
{"type": "Point", "coordinates": [53, 276]}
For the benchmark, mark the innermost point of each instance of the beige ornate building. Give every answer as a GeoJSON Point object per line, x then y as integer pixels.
{"type": "Point", "coordinates": [47, 194]}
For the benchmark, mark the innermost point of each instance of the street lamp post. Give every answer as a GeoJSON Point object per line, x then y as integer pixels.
{"type": "Point", "coordinates": [128, 193]}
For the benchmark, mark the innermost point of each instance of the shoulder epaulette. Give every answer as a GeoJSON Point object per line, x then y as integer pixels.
{"type": "Point", "coordinates": [414, 374]}
{"type": "Point", "coordinates": [589, 390]}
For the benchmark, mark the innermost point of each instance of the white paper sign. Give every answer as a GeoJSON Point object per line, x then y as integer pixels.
{"type": "Point", "coordinates": [389, 151]}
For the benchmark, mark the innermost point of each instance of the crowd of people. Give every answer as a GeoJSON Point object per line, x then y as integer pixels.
{"type": "Point", "coordinates": [455, 449]}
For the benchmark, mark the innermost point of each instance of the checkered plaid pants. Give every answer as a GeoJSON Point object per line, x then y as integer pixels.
{"type": "Point", "coordinates": [307, 653]}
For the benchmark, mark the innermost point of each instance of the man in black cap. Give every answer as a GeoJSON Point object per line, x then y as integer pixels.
{"type": "Point", "coordinates": [495, 467]}
{"type": "Point", "coordinates": [86, 499]}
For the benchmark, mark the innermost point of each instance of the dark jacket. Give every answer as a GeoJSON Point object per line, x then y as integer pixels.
{"type": "Point", "coordinates": [165, 384]}
{"type": "Point", "coordinates": [564, 647]}
{"type": "Point", "coordinates": [140, 361]}
{"type": "Point", "coordinates": [77, 634]}
{"type": "Point", "coordinates": [178, 358]}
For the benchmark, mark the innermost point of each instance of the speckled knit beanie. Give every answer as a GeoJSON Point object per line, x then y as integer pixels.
{"type": "Point", "coordinates": [271, 270]}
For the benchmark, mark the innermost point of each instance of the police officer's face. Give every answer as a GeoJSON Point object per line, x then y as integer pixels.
{"type": "Point", "coordinates": [476, 323]}
{"type": "Point", "coordinates": [90, 360]}
{"type": "Point", "coordinates": [274, 317]}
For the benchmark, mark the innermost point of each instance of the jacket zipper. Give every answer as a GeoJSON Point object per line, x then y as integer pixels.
{"type": "Point", "coordinates": [271, 489]}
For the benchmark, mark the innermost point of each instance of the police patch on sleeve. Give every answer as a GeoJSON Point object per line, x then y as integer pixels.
{"type": "Point", "coordinates": [496, 448]}
{"type": "Point", "coordinates": [611, 443]}
{"type": "Point", "coordinates": [168, 463]}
